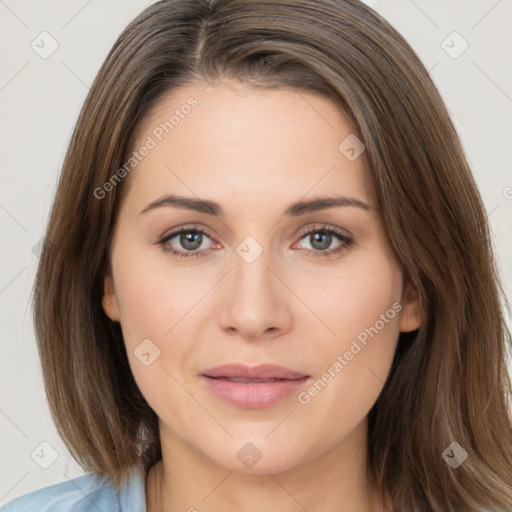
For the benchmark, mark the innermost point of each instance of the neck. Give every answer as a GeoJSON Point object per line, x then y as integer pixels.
{"type": "Point", "coordinates": [335, 481]}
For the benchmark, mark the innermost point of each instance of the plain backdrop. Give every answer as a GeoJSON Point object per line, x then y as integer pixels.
{"type": "Point", "coordinates": [465, 44]}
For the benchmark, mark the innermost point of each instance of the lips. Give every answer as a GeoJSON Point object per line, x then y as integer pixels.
{"type": "Point", "coordinates": [261, 372]}
{"type": "Point", "coordinates": [253, 387]}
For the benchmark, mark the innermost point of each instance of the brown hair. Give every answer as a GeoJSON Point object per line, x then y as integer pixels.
{"type": "Point", "coordinates": [449, 381]}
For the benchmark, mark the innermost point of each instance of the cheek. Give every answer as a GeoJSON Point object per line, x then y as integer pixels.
{"type": "Point", "coordinates": [356, 360]}
{"type": "Point", "coordinates": [152, 294]}
{"type": "Point", "coordinates": [354, 296]}
{"type": "Point", "coordinates": [369, 293]}
{"type": "Point", "coordinates": [150, 309]}
{"type": "Point", "coordinates": [156, 304]}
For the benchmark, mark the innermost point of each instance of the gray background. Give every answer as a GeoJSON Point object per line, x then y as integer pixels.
{"type": "Point", "coordinates": [40, 99]}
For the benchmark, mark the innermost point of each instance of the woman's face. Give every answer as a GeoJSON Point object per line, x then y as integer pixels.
{"type": "Point", "coordinates": [317, 291]}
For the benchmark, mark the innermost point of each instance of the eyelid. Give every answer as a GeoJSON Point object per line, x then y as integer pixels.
{"type": "Point", "coordinates": [170, 233]}
{"type": "Point", "coordinates": [323, 226]}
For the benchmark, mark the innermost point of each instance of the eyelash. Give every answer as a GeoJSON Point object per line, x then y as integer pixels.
{"type": "Point", "coordinates": [346, 241]}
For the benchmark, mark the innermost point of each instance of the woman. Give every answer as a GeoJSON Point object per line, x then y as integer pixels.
{"type": "Point", "coordinates": [267, 281]}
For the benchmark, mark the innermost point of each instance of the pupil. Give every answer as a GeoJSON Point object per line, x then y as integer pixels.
{"type": "Point", "coordinates": [324, 244]}
{"type": "Point", "coordinates": [191, 240]}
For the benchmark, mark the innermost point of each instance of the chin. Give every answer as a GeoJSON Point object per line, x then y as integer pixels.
{"type": "Point", "coordinates": [253, 456]}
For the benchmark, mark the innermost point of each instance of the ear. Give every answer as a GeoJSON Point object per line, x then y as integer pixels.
{"type": "Point", "coordinates": [412, 314]}
{"type": "Point", "coordinates": [109, 301]}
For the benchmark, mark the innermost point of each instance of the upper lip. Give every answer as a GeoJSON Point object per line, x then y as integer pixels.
{"type": "Point", "coordinates": [261, 371]}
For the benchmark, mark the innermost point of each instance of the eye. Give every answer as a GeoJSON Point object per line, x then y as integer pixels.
{"type": "Point", "coordinates": [190, 238]}
{"type": "Point", "coordinates": [321, 238]}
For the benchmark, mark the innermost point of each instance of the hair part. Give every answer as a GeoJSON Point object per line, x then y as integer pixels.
{"type": "Point", "coordinates": [449, 380]}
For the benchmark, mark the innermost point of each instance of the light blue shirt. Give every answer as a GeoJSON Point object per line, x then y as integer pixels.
{"type": "Point", "coordinates": [86, 493]}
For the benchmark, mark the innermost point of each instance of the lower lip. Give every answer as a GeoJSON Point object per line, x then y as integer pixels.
{"type": "Point", "coordinates": [254, 395]}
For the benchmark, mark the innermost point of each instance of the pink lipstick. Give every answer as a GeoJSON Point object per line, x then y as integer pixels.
{"type": "Point", "coordinates": [253, 387]}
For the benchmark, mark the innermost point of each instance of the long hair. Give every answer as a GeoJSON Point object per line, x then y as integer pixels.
{"type": "Point", "coordinates": [449, 381]}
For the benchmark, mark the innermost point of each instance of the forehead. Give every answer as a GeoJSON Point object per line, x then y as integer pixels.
{"type": "Point", "coordinates": [232, 139]}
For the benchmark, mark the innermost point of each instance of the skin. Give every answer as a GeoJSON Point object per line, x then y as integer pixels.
{"type": "Point", "coordinates": [255, 152]}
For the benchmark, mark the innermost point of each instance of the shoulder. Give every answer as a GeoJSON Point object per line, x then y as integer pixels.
{"type": "Point", "coordinates": [71, 495]}
{"type": "Point", "coordinates": [83, 494]}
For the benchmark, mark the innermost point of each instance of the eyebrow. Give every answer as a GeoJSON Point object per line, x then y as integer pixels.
{"type": "Point", "coordinates": [294, 210]}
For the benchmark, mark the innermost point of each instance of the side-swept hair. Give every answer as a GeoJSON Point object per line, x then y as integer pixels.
{"type": "Point", "coordinates": [449, 380]}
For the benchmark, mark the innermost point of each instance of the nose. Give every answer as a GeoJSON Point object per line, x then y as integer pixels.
{"type": "Point", "coordinates": [255, 298]}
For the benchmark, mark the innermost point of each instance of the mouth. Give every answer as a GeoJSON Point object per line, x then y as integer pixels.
{"type": "Point", "coordinates": [259, 372]}
{"type": "Point", "coordinates": [243, 379]}
{"type": "Point", "coordinates": [253, 387]}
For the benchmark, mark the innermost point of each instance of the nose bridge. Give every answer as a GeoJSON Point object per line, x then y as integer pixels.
{"type": "Point", "coordinates": [254, 303]}
{"type": "Point", "coordinates": [251, 274]}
